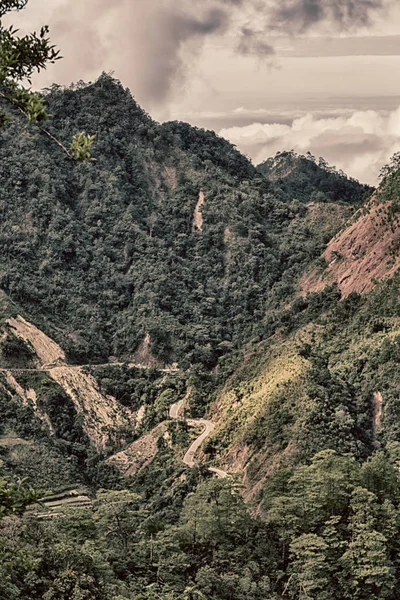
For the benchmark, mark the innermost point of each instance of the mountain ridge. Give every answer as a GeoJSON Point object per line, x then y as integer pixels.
{"type": "Point", "coordinates": [310, 179]}
{"type": "Point", "coordinates": [112, 242]}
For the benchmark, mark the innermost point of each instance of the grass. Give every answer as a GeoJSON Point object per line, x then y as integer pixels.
{"type": "Point", "coordinates": [241, 402]}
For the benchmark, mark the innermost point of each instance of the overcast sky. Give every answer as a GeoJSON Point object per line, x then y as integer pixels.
{"type": "Point", "coordinates": [318, 75]}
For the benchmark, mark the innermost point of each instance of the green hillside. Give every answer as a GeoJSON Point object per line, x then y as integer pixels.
{"type": "Point", "coordinates": [310, 180]}
{"type": "Point", "coordinates": [156, 293]}
{"type": "Point", "coordinates": [103, 254]}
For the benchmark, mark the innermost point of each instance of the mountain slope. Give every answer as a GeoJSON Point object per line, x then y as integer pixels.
{"type": "Point", "coordinates": [308, 180]}
{"type": "Point", "coordinates": [104, 256]}
{"type": "Point", "coordinates": [324, 374]}
{"type": "Point", "coordinates": [363, 253]}
{"type": "Point", "coordinates": [172, 248]}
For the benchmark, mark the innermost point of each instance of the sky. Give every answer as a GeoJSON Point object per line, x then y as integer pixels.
{"type": "Point", "coordinates": [269, 75]}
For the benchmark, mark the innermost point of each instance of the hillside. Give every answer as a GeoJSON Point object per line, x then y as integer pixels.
{"type": "Point", "coordinates": [107, 255]}
{"type": "Point", "coordinates": [198, 366]}
{"type": "Point", "coordinates": [316, 380]}
{"type": "Point", "coordinates": [308, 179]}
{"type": "Point", "coordinates": [364, 252]}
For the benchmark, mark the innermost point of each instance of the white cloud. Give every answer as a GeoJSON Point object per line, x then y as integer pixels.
{"type": "Point", "coordinates": [360, 144]}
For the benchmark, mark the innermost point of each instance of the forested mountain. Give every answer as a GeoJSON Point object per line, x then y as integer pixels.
{"type": "Point", "coordinates": [111, 251]}
{"type": "Point", "coordinates": [309, 179]}
{"type": "Point", "coordinates": [166, 288]}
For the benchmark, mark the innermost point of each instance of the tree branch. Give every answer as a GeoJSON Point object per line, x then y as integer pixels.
{"type": "Point", "coordinates": [10, 100]}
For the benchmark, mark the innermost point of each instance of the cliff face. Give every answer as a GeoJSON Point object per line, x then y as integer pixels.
{"type": "Point", "coordinates": [364, 253]}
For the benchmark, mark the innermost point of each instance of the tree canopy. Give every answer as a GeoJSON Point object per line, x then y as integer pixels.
{"type": "Point", "coordinates": [20, 58]}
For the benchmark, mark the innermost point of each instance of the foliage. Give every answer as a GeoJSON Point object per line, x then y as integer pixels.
{"type": "Point", "coordinates": [138, 388]}
{"type": "Point", "coordinates": [325, 534]}
{"type": "Point", "coordinates": [389, 176]}
{"type": "Point", "coordinates": [81, 146]}
{"type": "Point", "coordinates": [20, 58]}
{"type": "Point", "coordinates": [310, 180]}
{"type": "Point", "coordinates": [13, 347]}
{"type": "Point", "coordinates": [15, 497]}
{"type": "Point", "coordinates": [103, 256]}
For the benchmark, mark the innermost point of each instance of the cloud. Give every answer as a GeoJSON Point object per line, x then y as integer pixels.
{"type": "Point", "coordinates": [151, 44]}
{"type": "Point", "coordinates": [254, 42]}
{"type": "Point", "coordinates": [299, 16]}
{"type": "Point", "coordinates": [322, 46]}
{"type": "Point", "coordinates": [162, 51]}
{"type": "Point", "coordinates": [154, 45]}
{"type": "Point", "coordinates": [360, 144]}
{"type": "Point", "coordinates": [166, 37]}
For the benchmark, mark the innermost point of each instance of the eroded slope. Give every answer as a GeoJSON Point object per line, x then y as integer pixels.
{"type": "Point", "coordinates": [363, 253]}
{"type": "Point", "coordinates": [103, 417]}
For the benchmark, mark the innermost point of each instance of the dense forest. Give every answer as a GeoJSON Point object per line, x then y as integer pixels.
{"type": "Point", "coordinates": [107, 252]}
{"type": "Point", "coordinates": [170, 235]}
{"type": "Point", "coordinates": [308, 179]}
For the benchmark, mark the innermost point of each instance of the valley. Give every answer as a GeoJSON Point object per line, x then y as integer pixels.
{"type": "Point", "coordinates": [198, 366]}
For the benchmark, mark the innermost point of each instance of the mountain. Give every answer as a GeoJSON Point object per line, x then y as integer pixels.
{"type": "Point", "coordinates": [308, 179]}
{"type": "Point", "coordinates": [198, 366]}
{"type": "Point", "coordinates": [170, 235]}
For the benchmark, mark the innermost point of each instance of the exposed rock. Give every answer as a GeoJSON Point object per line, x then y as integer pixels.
{"type": "Point", "coordinates": [198, 215]}
{"type": "Point", "coordinates": [139, 454]}
{"type": "Point", "coordinates": [361, 254]}
{"type": "Point", "coordinates": [48, 352]}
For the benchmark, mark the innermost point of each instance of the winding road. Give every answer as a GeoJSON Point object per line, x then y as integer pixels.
{"type": "Point", "coordinates": [188, 459]}
{"type": "Point", "coordinates": [47, 368]}
{"type": "Point", "coordinates": [83, 390]}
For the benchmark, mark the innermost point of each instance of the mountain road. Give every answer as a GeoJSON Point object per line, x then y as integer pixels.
{"type": "Point", "coordinates": [208, 426]}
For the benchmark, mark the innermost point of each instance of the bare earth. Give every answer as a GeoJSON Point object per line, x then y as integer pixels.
{"type": "Point", "coordinates": [208, 426]}
{"type": "Point", "coordinates": [362, 253]}
{"type": "Point", "coordinates": [103, 416]}
{"type": "Point", "coordinates": [198, 216]}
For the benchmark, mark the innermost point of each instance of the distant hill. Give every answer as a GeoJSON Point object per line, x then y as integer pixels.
{"type": "Point", "coordinates": [310, 180]}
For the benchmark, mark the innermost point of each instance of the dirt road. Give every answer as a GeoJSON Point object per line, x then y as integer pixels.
{"type": "Point", "coordinates": [188, 459]}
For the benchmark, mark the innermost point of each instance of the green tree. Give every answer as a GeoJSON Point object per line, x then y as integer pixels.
{"type": "Point", "coordinates": [20, 58]}
{"type": "Point", "coordinates": [216, 514]}
{"type": "Point", "coordinates": [310, 577]}
{"type": "Point", "coordinates": [368, 573]}
{"type": "Point", "coordinates": [118, 519]}
{"type": "Point", "coordinates": [15, 497]}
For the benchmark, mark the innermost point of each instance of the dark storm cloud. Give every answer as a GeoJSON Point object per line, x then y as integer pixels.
{"type": "Point", "coordinates": [153, 45]}
{"type": "Point", "coordinates": [299, 16]}
{"type": "Point", "coordinates": [254, 42]}
{"type": "Point", "coordinates": [169, 37]}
